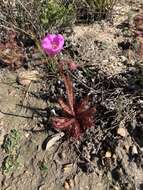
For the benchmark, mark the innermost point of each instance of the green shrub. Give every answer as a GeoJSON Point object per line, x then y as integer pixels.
{"type": "Point", "coordinates": [55, 14]}
{"type": "Point", "coordinates": [10, 146]}
{"type": "Point", "coordinates": [37, 16]}
{"type": "Point", "coordinates": [10, 163]}
{"type": "Point", "coordinates": [94, 9]}
{"type": "Point", "coordinates": [11, 141]}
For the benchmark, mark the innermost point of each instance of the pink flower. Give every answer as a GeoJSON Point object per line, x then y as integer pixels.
{"type": "Point", "coordinates": [52, 44]}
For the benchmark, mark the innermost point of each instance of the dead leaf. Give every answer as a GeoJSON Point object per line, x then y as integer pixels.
{"type": "Point", "coordinates": [25, 78]}
{"type": "Point", "coordinates": [10, 53]}
{"type": "Point", "coordinates": [53, 140]}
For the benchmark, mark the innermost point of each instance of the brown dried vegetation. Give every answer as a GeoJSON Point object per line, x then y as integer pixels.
{"type": "Point", "coordinates": [10, 53]}
{"type": "Point", "coordinates": [138, 21]}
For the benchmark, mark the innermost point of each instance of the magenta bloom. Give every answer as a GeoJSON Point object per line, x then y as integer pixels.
{"type": "Point", "coordinates": [52, 44]}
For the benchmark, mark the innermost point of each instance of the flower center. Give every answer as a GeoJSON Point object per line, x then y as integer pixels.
{"type": "Point", "coordinates": [54, 45]}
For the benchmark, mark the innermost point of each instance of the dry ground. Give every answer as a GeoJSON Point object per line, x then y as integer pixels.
{"type": "Point", "coordinates": [103, 46]}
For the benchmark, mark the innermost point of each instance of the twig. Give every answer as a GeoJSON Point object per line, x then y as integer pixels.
{"type": "Point", "coordinates": [14, 28]}
{"type": "Point", "coordinates": [27, 12]}
{"type": "Point", "coordinates": [26, 93]}
{"type": "Point", "coordinates": [90, 88]}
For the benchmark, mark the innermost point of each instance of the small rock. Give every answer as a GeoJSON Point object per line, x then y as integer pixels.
{"type": "Point", "coordinates": [132, 69]}
{"type": "Point", "coordinates": [122, 132]}
{"type": "Point", "coordinates": [105, 61]}
{"type": "Point", "coordinates": [71, 183]}
{"type": "Point", "coordinates": [114, 156]}
{"type": "Point", "coordinates": [67, 168]}
{"type": "Point", "coordinates": [134, 150]}
{"type": "Point", "coordinates": [116, 188]}
{"type": "Point", "coordinates": [59, 82]}
{"type": "Point", "coordinates": [53, 112]}
{"type": "Point", "coordinates": [66, 185]}
{"type": "Point", "coordinates": [123, 59]}
{"type": "Point", "coordinates": [27, 135]}
{"type": "Point", "coordinates": [140, 101]}
{"type": "Point", "coordinates": [113, 58]}
{"type": "Point", "coordinates": [64, 155]}
{"type": "Point", "coordinates": [108, 154]}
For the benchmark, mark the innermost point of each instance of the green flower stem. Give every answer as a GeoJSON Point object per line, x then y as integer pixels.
{"type": "Point", "coordinates": [52, 65]}
{"type": "Point", "coordinates": [51, 61]}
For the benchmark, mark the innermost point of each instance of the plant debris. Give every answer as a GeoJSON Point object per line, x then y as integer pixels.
{"type": "Point", "coordinates": [26, 77]}
{"type": "Point", "coordinates": [54, 140]}
{"type": "Point", "coordinates": [10, 53]}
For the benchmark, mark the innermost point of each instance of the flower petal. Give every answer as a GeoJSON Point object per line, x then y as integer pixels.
{"type": "Point", "coordinates": [50, 37]}
{"type": "Point", "coordinates": [52, 44]}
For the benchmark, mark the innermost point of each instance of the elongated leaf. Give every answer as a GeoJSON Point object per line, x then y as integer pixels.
{"type": "Point", "coordinates": [53, 140]}
{"type": "Point", "coordinates": [65, 107]}
{"type": "Point", "coordinates": [70, 94]}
